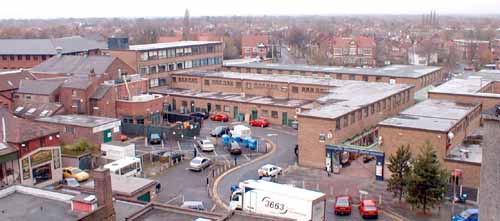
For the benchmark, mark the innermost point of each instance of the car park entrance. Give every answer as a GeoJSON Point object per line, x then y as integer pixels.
{"type": "Point", "coordinates": [335, 155]}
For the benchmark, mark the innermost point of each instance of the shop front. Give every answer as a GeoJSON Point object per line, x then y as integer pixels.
{"type": "Point", "coordinates": [41, 167]}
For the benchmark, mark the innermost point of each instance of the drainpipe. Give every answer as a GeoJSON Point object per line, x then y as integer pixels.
{"type": "Point", "coordinates": [4, 137]}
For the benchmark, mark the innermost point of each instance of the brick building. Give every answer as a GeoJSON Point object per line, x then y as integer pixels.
{"type": "Point", "coordinates": [9, 83]}
{"type": "Point", "coordinates": [320, 105]}
{"type": "Point", "coordinates": [254, 46]}
{"type": "Point", "coordinates": [471, 87]}
{"type": "Point", "coordinates": [38, 160]}
{"type": "Point", "coordinates": [445, 124]}
{"type": "Point", "coordinates": [157, 61]}
{"type": "Point", "coordinates": [470, 51]}
{"type": "Point", "coordinates": [27, 53]}
{"type": "Point", "coordinates": [353, 51]}
{"type": "Point", "coordinates": [96, 130]}
{"type": "Point", "coordinates": [418, 76]}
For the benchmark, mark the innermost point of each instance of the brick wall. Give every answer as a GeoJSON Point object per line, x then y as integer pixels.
{"type": "Point", "coordinates": [312, 151]}
{"type": "Point", "coordinates": [487, 102]}
{"type": "Point", "coordinates": [129, 57]}
{"type": "Point", "coordinates": [20, 98]}
{"type": "Point", "coordinates": [472, 172]}
{"type": "Point", "coordinates": [21, 61]}
{"type": "Point", "coordinates": [137, 108]}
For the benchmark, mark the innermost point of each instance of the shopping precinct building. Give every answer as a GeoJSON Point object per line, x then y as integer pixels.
{"type": "Point", "coordinates": [321, 105]}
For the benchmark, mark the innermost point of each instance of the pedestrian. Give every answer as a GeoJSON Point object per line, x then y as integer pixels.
{"type": "Point", "coordinates": [235, 161]}
{"type": "Point", "coordinates": [194, 152]}
{"type": "Point", "coordinates": [328, 172]}
{"type": "Point", "coordinates": [158, 187]}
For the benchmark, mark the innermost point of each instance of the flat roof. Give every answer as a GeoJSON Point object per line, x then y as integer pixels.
{"type": "Point", "coordinates": [469, 83]}
{"type": "Point", "coordinates": [405, 71]}
{"type": "Point", "coordinates": [474, 152]}
{"type": "Point", "coordinates": [78, 120]}
{"type": "Point", "coordinates": [146, 47]}
{"type": "Point", "coordinates": [124, 209]}
{"type": "Point", "coordinates": [434, 115]}
{"type": "Point", "coordinates": [28, 203]}
{"type": "Point", "coordinates": [125, 185]}
{"type": "Point", "coordinates": [233, 97]}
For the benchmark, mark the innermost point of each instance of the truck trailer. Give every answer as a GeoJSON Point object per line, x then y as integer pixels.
{"type": "Point", "coordinates": [278, 200]}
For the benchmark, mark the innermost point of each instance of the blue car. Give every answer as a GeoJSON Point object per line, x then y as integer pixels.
{"type": "Point", "coordinates": [467, 215]}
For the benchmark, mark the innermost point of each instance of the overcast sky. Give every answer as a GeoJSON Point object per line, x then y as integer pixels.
{"type": "Point", "coordinates": [169, 8]}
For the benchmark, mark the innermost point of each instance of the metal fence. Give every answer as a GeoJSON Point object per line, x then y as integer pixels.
{"type": "Point", "coordinates": [167, 132]}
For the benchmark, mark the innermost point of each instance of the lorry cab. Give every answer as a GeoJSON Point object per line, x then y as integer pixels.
{"type": "Point", "coordinates": [236, 201]}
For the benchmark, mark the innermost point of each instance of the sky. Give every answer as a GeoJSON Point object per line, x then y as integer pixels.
{"type": "Point", "coordinates": [20, 9]}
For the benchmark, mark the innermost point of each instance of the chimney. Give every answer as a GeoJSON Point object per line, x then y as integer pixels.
{"type": "Point", "coordinates": [92, 75]}
{"type": "Point", "coordinates": [104, 193]}
{"type": "Point", "coordinates": [59, 50]}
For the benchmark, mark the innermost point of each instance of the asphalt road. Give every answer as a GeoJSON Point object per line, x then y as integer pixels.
{"type": "Point", "coordinates": [284, 139]}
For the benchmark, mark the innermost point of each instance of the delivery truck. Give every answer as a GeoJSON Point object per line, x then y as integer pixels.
{"type": "Point", "coordinates": [278, 200]}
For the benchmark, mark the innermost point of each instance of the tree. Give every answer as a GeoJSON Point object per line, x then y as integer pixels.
{"type": "Point", "coordinates": [399, 167]}
{"type": "Point", "coordinates": [427, 181]}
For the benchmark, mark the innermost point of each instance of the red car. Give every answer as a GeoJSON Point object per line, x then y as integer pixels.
{"type": "Point", "coordinates": [220, 117]}
{"type": "Point", "coordinates": [259, 122]}
{"type": "Point", "coordinates": [368, 208]}
{"type": "Point", "coordinates": [343, 205]}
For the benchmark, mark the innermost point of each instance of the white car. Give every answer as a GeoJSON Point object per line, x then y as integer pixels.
{"type": "Point", "coordinates": [205, 145]}
{"type": "Point", "coordinates": [199, 163]}
{"type": "Point", "coordinates": [269, 170]}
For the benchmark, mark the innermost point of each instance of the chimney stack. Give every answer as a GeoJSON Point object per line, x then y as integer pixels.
{"type": "Point", "coordinates": [104, 193]}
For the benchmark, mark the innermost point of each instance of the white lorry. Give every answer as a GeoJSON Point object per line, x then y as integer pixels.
{"type": "Point", "coordinates": [241, 131]}
{"type": "Point", "coordinates": [279, 200]}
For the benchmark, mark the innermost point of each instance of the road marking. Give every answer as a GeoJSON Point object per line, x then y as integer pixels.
{"type": "Point", "coordinates": [178, 196]}
{"type": "Point", "coordinates": [215, 194]}
{"type": "Point", "coordinates": [215, 152]}
{"type": "Point", "coordinates": [179, 145]}
{"type": "Point", "coordinates": [246, 157]}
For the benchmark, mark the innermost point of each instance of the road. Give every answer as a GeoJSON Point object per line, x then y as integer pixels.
{"type": "Point", "coordinates": [288, 58]}
{"type": "Point", "coordinates": [283, 156]}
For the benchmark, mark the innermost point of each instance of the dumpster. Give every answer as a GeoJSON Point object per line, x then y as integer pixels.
{"type": "Point", "coordinates": [237, 138]}
{"type": "Point", "coordinates": [252, 144]}
{"type": "Point", "coordinates": [226, 140]}
{"type": "Point", "coordinates": [244, 142]}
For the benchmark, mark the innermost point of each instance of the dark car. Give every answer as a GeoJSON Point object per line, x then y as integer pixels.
{"type": "Point", "coordinates": [155, 138]}
{"type": "Point", "coordinates": [219, 131]}
{"type": "Point", "coordinates": [202, 115]}
{"type": "Point", "coordinates": [235, 148]}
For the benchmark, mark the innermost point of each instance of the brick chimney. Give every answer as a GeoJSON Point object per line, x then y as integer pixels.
{"type": "Point", "coordinates": [104, 193]}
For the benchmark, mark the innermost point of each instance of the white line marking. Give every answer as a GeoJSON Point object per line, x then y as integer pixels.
{"type": "Point", "coordinates": [179, 145]}
{"type": "Point", "coordinates": [246, 157]}
{"type": "Point", "coordinates": [215, 153]}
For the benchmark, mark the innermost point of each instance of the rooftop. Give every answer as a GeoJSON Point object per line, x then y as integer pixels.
{"type": "Point", "coordinates": [176, 44]}
{"type": "Point", "coordinates": [433, 115]}
{"type": "Point", "coordinates": [466, 153]}
{"type": "Point", "coordinates": [75, 65]}
{"type": "Point", "coordinates": [20, 130]}
{"type": "Point", "coordinates": [78, 120]}
{"type": "Point", "coordinates": [404, 71]}
{"type": "Point", "coordinates": [234, 97]}
{"type": "Point", "coordinates": [467, 84]}
{"type": "Point", "coordinates": [161, 212]}
{"type": "Point", "coordinates": [32, 110]}
{"type": "Point", "coordinates": [125, 185]}
{"type": "Point", "coordinates": [48, 46]}
{"type": "Point", "coordinates": [39, 87]}
{"type": "Point", "coordinates": [10, 80]}
{"type": "Point", "coordinates": [27, 203]}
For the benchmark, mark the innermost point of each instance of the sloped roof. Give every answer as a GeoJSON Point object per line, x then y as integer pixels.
{"type": "Point", "coordinates": [77, 65]}
{"type": "Point", "coordinates": [29, 110]}
{"type": "Point", "coordinates": [19, 130]}
{"type": "Point", "coordinates": [254, 40]}
{"type": "Point", "coordinates": [10, 80]}
{"type": "Point", "coordinates": [40, 87]}
{"type": "Point", "coordinates": [100, 91]}
{"type": "Point", "coordinates": [48, 46]}
{"type": "Point", "coordinates": [360, 41]}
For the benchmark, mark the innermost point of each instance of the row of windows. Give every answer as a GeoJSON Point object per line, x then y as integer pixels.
{"type": "Point", "coordinates": [221, 82]}
{"type": "Point", "coordinates": [314, 74]}
{"type": "Point", "coordinates": [389, 103]}
{"type": "Point", "coordinates": [179, 52]}
{"type": "Point", "coordinates": [185, 79]}
{"type": "Point", "coordinates": [180, 65]}
{"type": "Point", "coordinates": [25, 57]}
{"type": "Point", "coordinates": [352, 51]}
{"type": "Point", "coordinates": [430, 78]}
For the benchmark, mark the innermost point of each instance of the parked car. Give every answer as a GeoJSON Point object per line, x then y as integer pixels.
{"type": "Point", "coordinates": [200, 114]}
{"type": "Point", "coordinates": [154, 138]}
{"type": "Point", "coordinates": [343, 205]}
{"type": "Point", "coordinates": [471, 214]}
{"type": "Point", "coordinates": [220, 117]}
{"type": "Point", "coordinates": [205, 145]}
{"type": "Point", "coordinates": [368, 208]}
{"type": "Point", "coordinates": [77, 173]}
{"type": "Point", "coordinates": [219, 131]}
{"type": "Point", "coordinates": [269, 170]}
{"type": "Point", "coordinates": [199, 163]}
{"type": "Point", "coordinates": [235, 148]}
{"type": "Point", "coordinates": [260, 122]}
{"type": "Point", "coordinates": [196, 205]}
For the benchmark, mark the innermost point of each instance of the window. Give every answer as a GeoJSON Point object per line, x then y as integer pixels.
{"type": "Point", "coordinates": [351, 77]}
{"type": "Point", "coordinates": [69, 130]}
{"type": "Point", "coordinates": [227, 109]}
{"type": "Point", "coordinates": [73, 93]}
{"type": "Point", "coordinates": [44, 57]}
{"type": "Point", "coordinates": [28, 57]}
{"type": "Point", "coordinates": [372, 109]}
{"type": "Point", "coordinates": [179, 52]}
{"type": "Point", "coordinates": [378, 106]}
{"type": "Point", "coordinates": [337, 124]}
{"type": "Point", "coordinates": [383, 105]}
{"type": "Point", "coordinates": [274, 114]}
{"type": "Point", "coordinates": [346, 120]}
{"type": "Point", "coordinates": [35, 58]}
{"type": "Point", "coordinates": [217, 107]}
{"type": "Point", "coordinates": [353, 118]}
{"type": "Point", "coordinates": [365, 110]}
{"type": "Point", "coordinates": [28, 97]}
{"type": "Point", "coordinates": [360, 115]}
{"type": "Point", "coordinates": [162, 54]}
{"type": "Point", "coordinates": [4, 57]}
{"type": "Point", "coordinates": [339, 76]}
{"type": "Point", "coordinates": [12, 57]}
{"type": "Point", "coordinates": [139, 120]}
{"type": "Point", "coordinates": [144, 56]}
{"type": "Point", "coordinates": [378, 78]}
{"type": "Point", "coordinates": [207, 82]}
{"type": "Point", "coordinates": [365, 78]}
{"type": "Point", "coordinates": [265, 113]}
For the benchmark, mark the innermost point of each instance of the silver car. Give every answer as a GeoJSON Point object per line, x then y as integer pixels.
{"type": "Point", "coordinates": [199, 163]}
{"type": "Point", "coordinates": [205, 145]}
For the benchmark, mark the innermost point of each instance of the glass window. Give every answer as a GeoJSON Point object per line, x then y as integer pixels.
{"type": "Point", "coordinates": [179, 52]}
{"type": "Point", "coordinates": [337, 124]}
{"type": "Point", "coordinates": [187, 51]}
{"type": "Point", "coordinates": [274, 114]}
